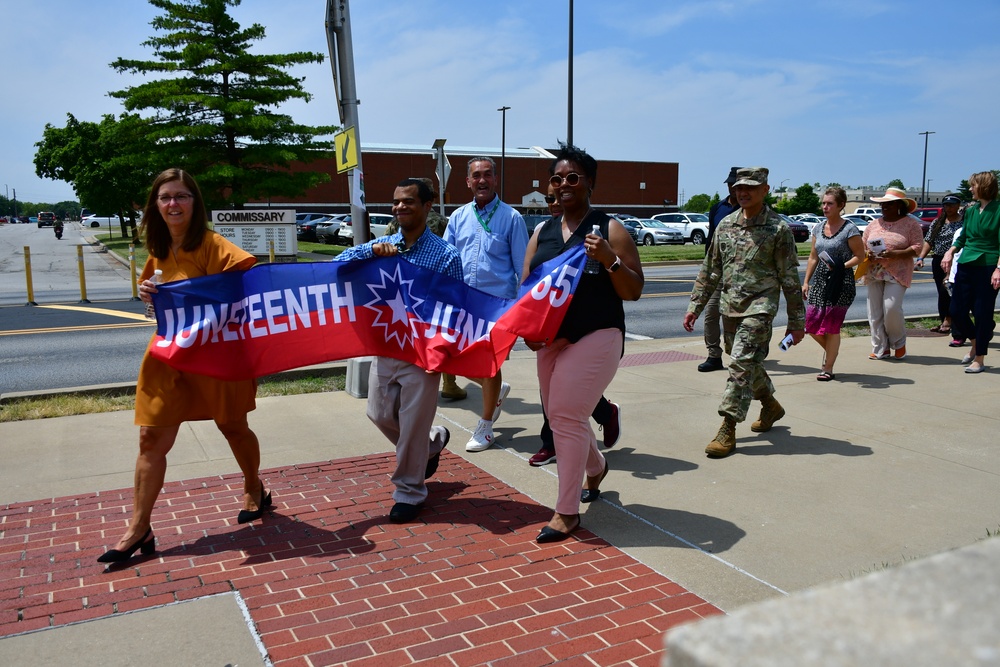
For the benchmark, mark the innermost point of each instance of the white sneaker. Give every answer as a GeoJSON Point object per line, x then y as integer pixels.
{"type": "Point", "coordinates": [504, 390]}
{"type": "Point", "coordinates": [482, 439]}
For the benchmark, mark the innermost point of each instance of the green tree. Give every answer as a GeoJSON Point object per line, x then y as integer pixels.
{"type": "Point", "coordinates": [108, 163]}
{"type": "Point", "coordinates": [805, 201]}
{"type": "Point", "coordinates": [214, 111]}
{"type": "Point", "coordinates": [964, 191]}
{"type": "Point", "coordinates": [715, 200]}
{"type": "Point", "coordinates": [896, 183]}
{"type": "Point", "coordinates": [699, 203]}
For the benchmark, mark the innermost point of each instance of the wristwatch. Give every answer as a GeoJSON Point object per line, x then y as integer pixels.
{"type": "Point", "coordinates": [617, 264]}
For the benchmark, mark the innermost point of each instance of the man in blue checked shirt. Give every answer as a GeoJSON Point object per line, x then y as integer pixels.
{"type": "Point", "coordinates": [491, 238]}
{"type": "Point", "coordinates": [402, 397]}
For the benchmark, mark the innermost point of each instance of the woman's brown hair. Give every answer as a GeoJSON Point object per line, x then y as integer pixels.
{"type": "Point", "coordinates": [986, 184]}
{"type": "Point", "coordinates": [154, 229]}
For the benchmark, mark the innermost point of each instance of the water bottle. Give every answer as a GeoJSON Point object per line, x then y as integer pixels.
{"type": "Point", "coordinates": [593, 266]}
{"type": "Point", "coordinates": [156, 280]}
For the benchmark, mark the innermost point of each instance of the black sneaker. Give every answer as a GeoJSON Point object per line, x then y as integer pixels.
{"type": "Point", "coordinates": [432, 462]}
{"type": "Point", "coordinates": [710, 364]}
{"type": "Point", "coordinates": [404, 512]}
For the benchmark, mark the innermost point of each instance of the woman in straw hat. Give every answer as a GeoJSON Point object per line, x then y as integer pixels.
{"type": "Point", "coordinates": [891, 242]}
{"type": "Point", "coordinates": [978, 277]}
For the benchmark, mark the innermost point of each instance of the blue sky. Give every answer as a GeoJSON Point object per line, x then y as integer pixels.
{"type": "Point", "coordinates": [818, 91]}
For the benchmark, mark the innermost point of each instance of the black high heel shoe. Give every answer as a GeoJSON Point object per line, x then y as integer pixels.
{"type": "Point", "coordinates": [553, 535]}
{"type": "Point", "coordinates": [147, 545]}
{"type": "Point", "coordinates": [246, 516]}
{"type": "Point", "coordinates": [589, 495]}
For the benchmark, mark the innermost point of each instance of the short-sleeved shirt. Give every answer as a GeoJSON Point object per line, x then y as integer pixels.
{"type": "Point", "coordinates": [168, 397]}
{"type": "Point", "coordinates": [941, 236]}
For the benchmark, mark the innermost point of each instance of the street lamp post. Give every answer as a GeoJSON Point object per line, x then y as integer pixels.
{"type": "Point", "coordinates": [923, 179]}
{"type": "Point", "coordinates": [569, 87]}
{"type": "Point", "coordinates": [503, 144]}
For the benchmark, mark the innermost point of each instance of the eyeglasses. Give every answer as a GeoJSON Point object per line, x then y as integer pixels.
{"type": "Point", "coordinates": [180, 199]}
{"type": "Point", "coordinates": [550, 199]}
{"type": "Point", "coordinates": [572, 178]}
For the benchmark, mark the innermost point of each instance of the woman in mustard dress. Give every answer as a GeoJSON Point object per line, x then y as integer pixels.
{"type": "Point", "coordinates": [175, 228]}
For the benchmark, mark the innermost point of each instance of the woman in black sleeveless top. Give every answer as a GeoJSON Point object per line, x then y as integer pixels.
{"type": "Point", "coordinates": [576, 367]}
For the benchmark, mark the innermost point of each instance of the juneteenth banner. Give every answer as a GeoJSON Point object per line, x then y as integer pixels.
{"type": "Point", "coordinates": [273, 317]}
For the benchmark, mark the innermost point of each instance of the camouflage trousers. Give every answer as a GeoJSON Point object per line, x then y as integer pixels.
{"type": "Point", "coordinates": [747, 340]}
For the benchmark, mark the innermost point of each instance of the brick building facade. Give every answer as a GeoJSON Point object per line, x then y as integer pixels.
{"type": "Point", "coordinates": [639, 188]}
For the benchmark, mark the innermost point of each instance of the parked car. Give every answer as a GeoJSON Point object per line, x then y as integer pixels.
{"type": "Point", "coordinates": [328, 228]}
{"type": "Point", "coordinates": [694, 226]}
{"type": "Point", "coordinates": [532, 220]}
{"type": "Point", "coordinates": [925, 223]}
{"type": "Point", "coordinates": [860, 221]}
{"type": "Point", "coordinates": [808, 219]}
{"type": "Point", "coordinates": [305, 230]}
{"type": "Point", "coordinates": [653, 232]}
{"type": "Point", "coordinates": [46, 219]}
{"type": "Point", "coordinates": [800, 232]}
{"type": "Point", "coordinates": [377, 222]}
{"type": "Point", "coordinates": [928, 215]}
{"type": "Point", "coordinates": [99, 220]}
{"type": "Point", "coordinates": [874, 211]}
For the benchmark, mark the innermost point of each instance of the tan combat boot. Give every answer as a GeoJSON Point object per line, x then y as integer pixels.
{"type": "Point", "coordinates": [770, 412]}
{"type": "Point", "coordinates": [450, 388]}
{"type": "Point", "coordinates": [725, 440]}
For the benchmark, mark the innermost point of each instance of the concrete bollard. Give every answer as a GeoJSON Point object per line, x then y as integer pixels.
{"type": "Point", "coordinates": [357, 376]}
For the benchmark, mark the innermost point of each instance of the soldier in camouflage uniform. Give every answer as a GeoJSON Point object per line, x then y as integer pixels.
{"type": "Point", "coordinates": [436, 222]}
{"type": "Point", "coordinates": [753, 258]}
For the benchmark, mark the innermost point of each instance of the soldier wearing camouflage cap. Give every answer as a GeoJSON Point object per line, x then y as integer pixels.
{"type": "Point", "coordinates": [752, 258]}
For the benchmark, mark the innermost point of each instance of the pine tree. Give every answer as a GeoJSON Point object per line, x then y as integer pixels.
{"type": "Point", "coordinates": [214, 111]}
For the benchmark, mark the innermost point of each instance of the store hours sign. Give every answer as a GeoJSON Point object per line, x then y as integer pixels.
{"type": "Point", "coordinates": [255, 230]}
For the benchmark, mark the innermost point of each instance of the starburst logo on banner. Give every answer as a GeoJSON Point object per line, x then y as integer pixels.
{"type": "Point", "coordinates": [390, 307]}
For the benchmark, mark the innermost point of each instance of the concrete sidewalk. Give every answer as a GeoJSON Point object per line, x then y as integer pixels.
{"type": "Point", "coordinates": [893, 461]}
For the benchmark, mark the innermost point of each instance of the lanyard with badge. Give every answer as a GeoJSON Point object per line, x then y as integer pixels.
{"type": "Point", "coordinates": [486, 223]}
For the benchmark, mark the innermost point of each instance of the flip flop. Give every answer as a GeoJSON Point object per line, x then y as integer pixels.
{"type": "Point", "coordinates": [936, 329]}
{"type": "Point", "coordinates": [826, 377]}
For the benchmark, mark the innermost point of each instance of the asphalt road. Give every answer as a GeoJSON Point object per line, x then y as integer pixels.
{"type": "Point", "coordinates": [63, 343]}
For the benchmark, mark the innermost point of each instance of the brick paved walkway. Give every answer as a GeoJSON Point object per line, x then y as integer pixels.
{"type": "Point", "coordinates": [329, 581]}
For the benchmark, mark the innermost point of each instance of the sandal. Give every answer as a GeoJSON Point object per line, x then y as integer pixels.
{"type": "Point", "coordinates": [944, 329]}
{"type": "Point", "coordinates": [826, 376]}
{"type": "Point", "coordinates": [936, 329]}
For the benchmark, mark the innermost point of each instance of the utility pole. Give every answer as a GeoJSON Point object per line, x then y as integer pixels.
{"type": "Point", "coordinates": [569, 87]}
{"type": "Point", "coordinates": [338, 39]}
{"type": "Point", "coordinates": [503, 145]}
{"type": "Point", "coordinates": [923, 179]}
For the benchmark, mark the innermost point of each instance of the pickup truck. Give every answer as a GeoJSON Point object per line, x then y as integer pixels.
{"type": "Point", "coordinates": [694, 226]}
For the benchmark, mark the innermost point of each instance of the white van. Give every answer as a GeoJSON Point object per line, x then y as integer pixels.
{"type": "Point", "coordinates": [869, 210]}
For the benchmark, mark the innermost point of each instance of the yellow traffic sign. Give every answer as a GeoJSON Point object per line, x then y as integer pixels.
{"type": "Point", "coordinates": [346, 147]}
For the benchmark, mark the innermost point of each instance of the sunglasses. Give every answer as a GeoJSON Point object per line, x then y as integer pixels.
{"type": "Point", "coordinates": [550, 199]}
{"type": "Point", "coordinates": [572, 178]}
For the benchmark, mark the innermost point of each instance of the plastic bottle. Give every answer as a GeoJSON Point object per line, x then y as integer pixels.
{"type": "Point", "coordinates": [156, 280]}
{"type": "Point", "coordinates": [593, 266]}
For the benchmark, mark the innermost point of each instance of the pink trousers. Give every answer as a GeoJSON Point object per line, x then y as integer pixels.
{"type": "Point", "coordinates": [572, 380]}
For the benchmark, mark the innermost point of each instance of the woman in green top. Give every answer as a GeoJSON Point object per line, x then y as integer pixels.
{"type": "Point", "coordinates": [977, 279]}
